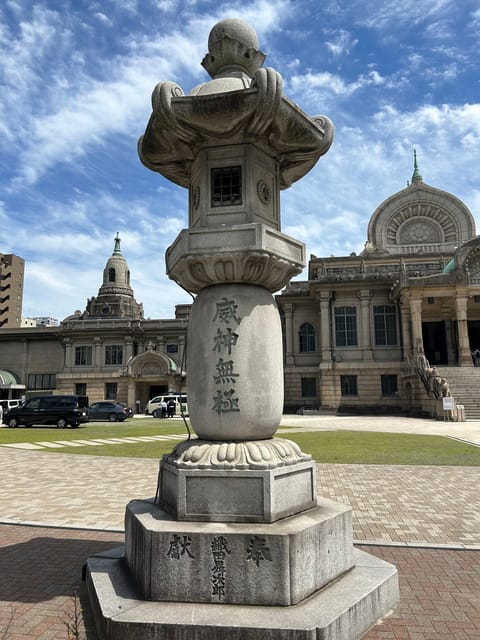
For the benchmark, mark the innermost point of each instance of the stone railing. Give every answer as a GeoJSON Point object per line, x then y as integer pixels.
{"type": "Point", "coordinates": [434, 384]}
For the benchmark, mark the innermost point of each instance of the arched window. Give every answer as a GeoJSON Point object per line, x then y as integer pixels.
{"type": "Point", "coordinates": [306, 335]}
{"type": "Point", "coordinates": [111, 275]}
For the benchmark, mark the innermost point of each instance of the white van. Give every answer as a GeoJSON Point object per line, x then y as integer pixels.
{"type": "Point", "coordinates": [10, 404]}
{"type": "Point", "coordinates": [154, 405]}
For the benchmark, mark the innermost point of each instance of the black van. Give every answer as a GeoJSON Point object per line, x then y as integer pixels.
{"type": "Point", "coordinates": [60, 410]}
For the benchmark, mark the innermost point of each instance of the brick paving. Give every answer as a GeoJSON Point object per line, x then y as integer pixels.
{"type": "Point", "coordinates": [439, 595]}
{"type": "Point", "coordinates": [40, 572]}
{"type": "Point", "coordinates": [403, 504]}
{"type": "Point", "coordinates": [435, 508]}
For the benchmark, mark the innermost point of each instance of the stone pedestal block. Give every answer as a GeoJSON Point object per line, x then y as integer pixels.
{"type": "Point", "coordinates": [224, 482]}
{"type": "Point", "coordinates": [260, 564]}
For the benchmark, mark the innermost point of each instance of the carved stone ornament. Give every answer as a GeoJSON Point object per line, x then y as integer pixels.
{"type": "Point", "coordinates": [196, 197]}
{"type": "Point", "coordinates": [254, 454]}
{"type": "Point", "coordinates": [199, 271]}
{"type": "Point", "coordinates": [263, 191]}
{"type": "Point", "coordinates": [242, 102]}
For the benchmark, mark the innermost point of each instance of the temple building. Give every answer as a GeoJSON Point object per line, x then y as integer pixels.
{"type": "Point", "coordinates": [393, 328]}
{"type": "Point", "coordinates": [107, 351]}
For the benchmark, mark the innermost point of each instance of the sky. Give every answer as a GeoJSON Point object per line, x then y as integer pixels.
{"type": "Point", "coordinates": [76, 79]}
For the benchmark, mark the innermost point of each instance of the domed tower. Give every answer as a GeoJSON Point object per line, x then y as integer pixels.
{"type": "Point", "coordinates": [115, 297]}
{"type": "Point", "coordinates": [419, 219]}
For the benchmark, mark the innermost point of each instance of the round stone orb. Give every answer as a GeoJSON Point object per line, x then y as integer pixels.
{"type": "Point", "coordinates": [235, 29]}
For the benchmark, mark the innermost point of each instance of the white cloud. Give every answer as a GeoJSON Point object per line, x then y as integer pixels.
{"type": "Point", "coordinates": [318, 87]}
{"type": "Point", "coordinates": [101, 17]}
{"type": "Point", "coordinates": [399, 12]}
{"type": "Point", "coordinates": [341, 44]}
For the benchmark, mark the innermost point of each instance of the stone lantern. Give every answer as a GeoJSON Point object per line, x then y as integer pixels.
{"type": "Point", "coordinates": [236, 521]}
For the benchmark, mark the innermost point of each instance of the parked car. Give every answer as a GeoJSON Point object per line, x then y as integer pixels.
{"type": "Point", "coordinates": [63, 411]}
{"type": "Point", "coordinates": [9, 404]}
{"type": "Point", "coordinates": [154, 405]}
{"type": "Point", "coordinates": [108, 410]}
{"type": "Point", "coordinates": [128, 409]}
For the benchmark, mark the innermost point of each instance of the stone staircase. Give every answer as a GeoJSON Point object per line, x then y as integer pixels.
{"type": "Point", "coordinates": [464, 383]}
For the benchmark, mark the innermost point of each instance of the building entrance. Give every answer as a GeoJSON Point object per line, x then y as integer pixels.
{"type": "Point", "coordinates": [474, 334]}
{"type": "Point", "coordinates": [157, 390]}
{"type": "Point", "coordinates": [435, 342]}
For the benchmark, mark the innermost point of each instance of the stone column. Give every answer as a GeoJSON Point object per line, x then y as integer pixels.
{"type": "Point", "coordinates": [180, 354]}
{"type": "Point", "coordinates": [464, 354]}
{"type": "Point", "coordinates": [405, 323]}
{"type": "Point", "coordinates": [128, 342]}
{"type": "Point", "coordinates": [131, 394]}
{"type": "Point", "coordinates": [416, 317]}
{"type": "Point", "coordinates": [365, 296]}
{"type": "Point", "coordinates": [325, 346]}
{"type": "Point", "coordinates": [68, 354]}
{"type": "Point", "coordinates": [234, 348]}
{"type": "Point", "coordinates": [289, 337]}
{"type": "Point", "coordinates": [97, 356]}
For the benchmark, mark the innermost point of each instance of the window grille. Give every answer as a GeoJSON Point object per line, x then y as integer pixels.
{"type": "Point", "coordinates": [346, 327]}
{"type": "Point", "coordinates": [385, 325]}
{"type": "Point", "coordinates": [348, 385]}
{"type": "Point", "coordinates": [306, 336]}
{"type": "Point", "coordinates": [226, 186]}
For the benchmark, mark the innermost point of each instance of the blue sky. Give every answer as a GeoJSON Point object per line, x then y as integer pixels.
{"type": "Point", "coordinates": [76, 79]}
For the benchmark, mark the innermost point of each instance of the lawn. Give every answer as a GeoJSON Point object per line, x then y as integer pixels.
{"type": "Point", "coordinates": [346, 447]}
{"type": "Point", "coordinates": [360, 447]}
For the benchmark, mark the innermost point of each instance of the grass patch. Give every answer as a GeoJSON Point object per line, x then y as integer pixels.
{"type": "Point", "coordinates": [336, 447]}
{"type": "Point", "coordinates": [360, 447]}
{"type": "Point", "coordinates": [92, 430]}
{"type": "Point", "coordinates": [134, 450]}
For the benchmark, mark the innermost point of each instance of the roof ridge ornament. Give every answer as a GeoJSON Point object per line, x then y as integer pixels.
{"type": "Point", "coordinates": [416, 176]}
{"type": "Point", "coordinates": [117, 250]}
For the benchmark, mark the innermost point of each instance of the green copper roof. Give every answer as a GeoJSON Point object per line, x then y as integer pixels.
{"type": "Point", "coordinates": [6, 378]}
{"type": "Point", "coordinates": [417, 176]}
{"type": "Point", "coordinates": [448, 268]}
{"type": "Point", "coordinates": [117, 249]}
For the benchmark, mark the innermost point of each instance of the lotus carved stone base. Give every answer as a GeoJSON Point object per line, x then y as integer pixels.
{"type": "Point", "coordinates": [256, 454]}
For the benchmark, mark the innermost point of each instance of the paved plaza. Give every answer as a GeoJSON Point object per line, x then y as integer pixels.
{"type": "Point", "coordinates": [58, 509]}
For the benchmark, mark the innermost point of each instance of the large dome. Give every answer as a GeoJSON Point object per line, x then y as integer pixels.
{"type": "Point", "coordinates": [419, 218]}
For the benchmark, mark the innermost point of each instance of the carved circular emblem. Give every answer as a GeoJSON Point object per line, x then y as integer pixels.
{"type": "Point", "coordinates": [473, 263]}
{"type": "Point", "coordinates": [263, 191]}
{"type": "Point", "coordinates": [196, 197]}
{"type": "Point", "coordinates": [419, 232]}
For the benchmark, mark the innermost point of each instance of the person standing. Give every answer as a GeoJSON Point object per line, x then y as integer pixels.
{"type": "Point", "coordinates": [170, 408]}
{"type": "Point", "coordinates": [476, 357]}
